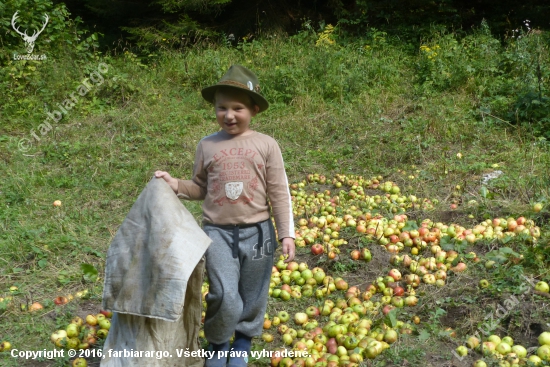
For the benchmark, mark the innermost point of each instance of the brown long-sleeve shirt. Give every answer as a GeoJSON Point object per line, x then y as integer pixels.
{"type": "Point", "coordinates": [235, 175]}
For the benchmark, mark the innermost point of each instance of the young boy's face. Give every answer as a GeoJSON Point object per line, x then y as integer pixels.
{"type": "Point", "coordinates": [234, 111]}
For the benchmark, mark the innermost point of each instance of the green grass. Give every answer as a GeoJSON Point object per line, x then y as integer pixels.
{"type": "Point", "coordinates": [378, 110]}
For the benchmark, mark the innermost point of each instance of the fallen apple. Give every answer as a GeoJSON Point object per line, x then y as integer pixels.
{"type": "Point", "coordinates": [542, 287]}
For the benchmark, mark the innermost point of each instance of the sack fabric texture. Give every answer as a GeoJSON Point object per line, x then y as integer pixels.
{"type": "Point", "coordinates": [153, 279]}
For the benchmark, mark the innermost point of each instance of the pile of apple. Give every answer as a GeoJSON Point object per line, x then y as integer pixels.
{"type": "Point", "coordinates": [349, 337]}
{"type": "Point", "coordinates": [321, 218]}
{"type": "Point", "coordinates": [80, 334]}
{"type": "Point", "coordinates": [298, 280]}
{"type": "Point", "coordinates": [505, 350]}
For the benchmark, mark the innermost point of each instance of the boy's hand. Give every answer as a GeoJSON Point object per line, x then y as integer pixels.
{"type": "Point", "coordinates": [289, 248]}
{"type": "Point", "coordinates": [169, 179]}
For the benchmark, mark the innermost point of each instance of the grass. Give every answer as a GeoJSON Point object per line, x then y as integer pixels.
{"type": "Point", "coordinates": [376, 110]}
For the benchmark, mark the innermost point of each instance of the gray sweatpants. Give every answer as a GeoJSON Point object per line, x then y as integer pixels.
{"type": "Point", "coordinates": [238, 291]}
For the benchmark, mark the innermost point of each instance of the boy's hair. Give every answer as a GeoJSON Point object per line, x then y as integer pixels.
{"type": "Point", "coordinates": [228, 91]}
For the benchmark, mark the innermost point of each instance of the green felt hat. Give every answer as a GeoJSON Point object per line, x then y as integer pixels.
{"type": "Point", "coordinates": [240, 78]}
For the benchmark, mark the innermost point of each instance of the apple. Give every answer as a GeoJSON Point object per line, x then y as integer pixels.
{"type": "Point", "coordinates": [5, 346]}
{"type": "Point", "coordinates": [366, 254]}
{"type": "Point", "coordinates": [504, 348]}
{"type": "Point", "coordinates": [77, 321]}
{"type": "Point", "coordinates": [535, 360]}
{"type": "Point", "coordinates": [284, 295]}
{"type": "Point", "coordinates": [102, 333]}
{"type": "Point", "coordinates": [79, 362]}
{"type": "Point", "coordinates": [462, 351]}
{"type": "Point", "coordinates": [72, 343]}
{"type": "Point", "coordinates": [300, 318]}
{"type": "Point", "coordinates": [57, 203]}
{"type": "Point", "coordinates": [543, 352]}
{"type": "Point", "coordinates": [59, 301]}
{"type": "Point", "coordinates": [537, 207]}
{"type": "Point", "coordinates": [107, 314]}
{"type": "Point", "coordinates": [268, 338]}
{"type": "Point", "coordinates": [472, 342]}
{"type": "Point", "coordinates": [390, 336]}
{"type": "Point", "coordinates": [105, 324]}
{"type": "Point", "coordinates": [544, 338]}
{"type": "Point", "coordinates": [542, 287]}
{"type": "Point", "coordinates": [411, 301]}
{"type": "Point", "coordinates": [317, 249]}
{"type": "Point", "coordinates": [276, 321]}
{"type": "Point", "coordinates": [483, 283]}
{"type": "Point", "coordinates": [287, 339]}
{"type": "Point", "coordinates": [495, 339]}
{"type": "Point", "coordinates": [508, 340]}
{"type": "Point", "coordinates": [283, 316]}
{"type": "Point", "coordinates": [312, 312]}
{"type": "Point", "coordinates": [395, 274]}
{"type": "Point", "coordinates": [480, 363]}
{"type": "Point", "coordinates": [35, 307]}
{"type": "Point", "coordinates": [73, 330]}
{"type": "Point", "coordinates": [59, 334]}
{"type": "Point", "coordinates": [520, 351]}
{"type": "Point", "coordinates": [91, 320]}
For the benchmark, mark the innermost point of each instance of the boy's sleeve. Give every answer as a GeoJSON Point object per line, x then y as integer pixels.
{"type": "Point", "coordinates": [194, 189]}
{"type": "Point", "coordinates": [279, 195]}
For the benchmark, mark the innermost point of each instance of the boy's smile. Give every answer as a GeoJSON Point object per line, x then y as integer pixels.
{"type": "Point", "coordinates": [234, 111]}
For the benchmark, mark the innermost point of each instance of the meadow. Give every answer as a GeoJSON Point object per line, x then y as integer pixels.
{"type": "Point", "coordinates": [434, 117]}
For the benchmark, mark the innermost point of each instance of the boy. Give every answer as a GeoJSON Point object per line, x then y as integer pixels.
{"type": "Point", "coordinates": [235, 170]}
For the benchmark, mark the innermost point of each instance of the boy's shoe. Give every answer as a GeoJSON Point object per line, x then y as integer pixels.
{"type": "Point", "coordinates": [240, 347]}
{"type": "Point", "coordinates": [215, 361]}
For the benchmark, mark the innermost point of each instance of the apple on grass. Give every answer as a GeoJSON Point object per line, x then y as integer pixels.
{"type": "Point", "coordinates": [542, 287]}
{"type": "Point", "coordinates": [79, 362]}
{"type": "Point", "coordinates": [283, 316]}
{"type": "Point", "coordinates": [462, 351]}
{"type": "Point", "coordinates": [5, 346]}
{"type": "Point", "coordinates": [483, 283]}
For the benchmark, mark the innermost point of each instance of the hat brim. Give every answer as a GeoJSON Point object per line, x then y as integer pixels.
{"type": "Point", "coordinates": [209, 92]}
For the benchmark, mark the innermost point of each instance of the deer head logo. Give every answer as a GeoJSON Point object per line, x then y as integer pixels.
{"type": "Point", "coordinates": [29, 40]}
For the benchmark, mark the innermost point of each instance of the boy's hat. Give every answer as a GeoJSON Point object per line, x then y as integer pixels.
{"type": "Point", "coordinates": [240, 78]}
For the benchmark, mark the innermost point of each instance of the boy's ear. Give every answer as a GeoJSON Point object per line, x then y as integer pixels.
{"type": "Point", "coordinates": [256, 109]}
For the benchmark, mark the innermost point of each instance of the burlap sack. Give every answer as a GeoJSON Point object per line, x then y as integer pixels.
{"type": "Point", "coordinates": [153, 278]}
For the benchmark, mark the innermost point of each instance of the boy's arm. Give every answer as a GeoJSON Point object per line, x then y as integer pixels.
{"type": "Point", "coordinates": [194, 189]}
{"type": "Point", "coordinates": [279, 195]}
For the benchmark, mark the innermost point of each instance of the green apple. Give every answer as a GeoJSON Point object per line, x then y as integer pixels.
{"type": "Point", "coordinates": [520, 351]}
{"type": "Point", "coordinates": [542, 287]}
{"type": "Point", "coordinates": [544, 338]}
{"type": "Point", "coordinates": [544, 352]}
{"type": "Point", "coordinates": [535, 360]}
{"type": "Point", "coordinates": [79, 362]}
{"type": "Point", "coordinates": [483, 283]}
{"type": "Point", "coordinates": [283, 316]}
{"type": "Point", "coordinates": [72, 330]}
{"type": "Point", "coordinates": [462, 350]}
{"type": "Point", "coordinates": [105, 324]}
{"type": "Point", "coordinates": [102, 333]}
